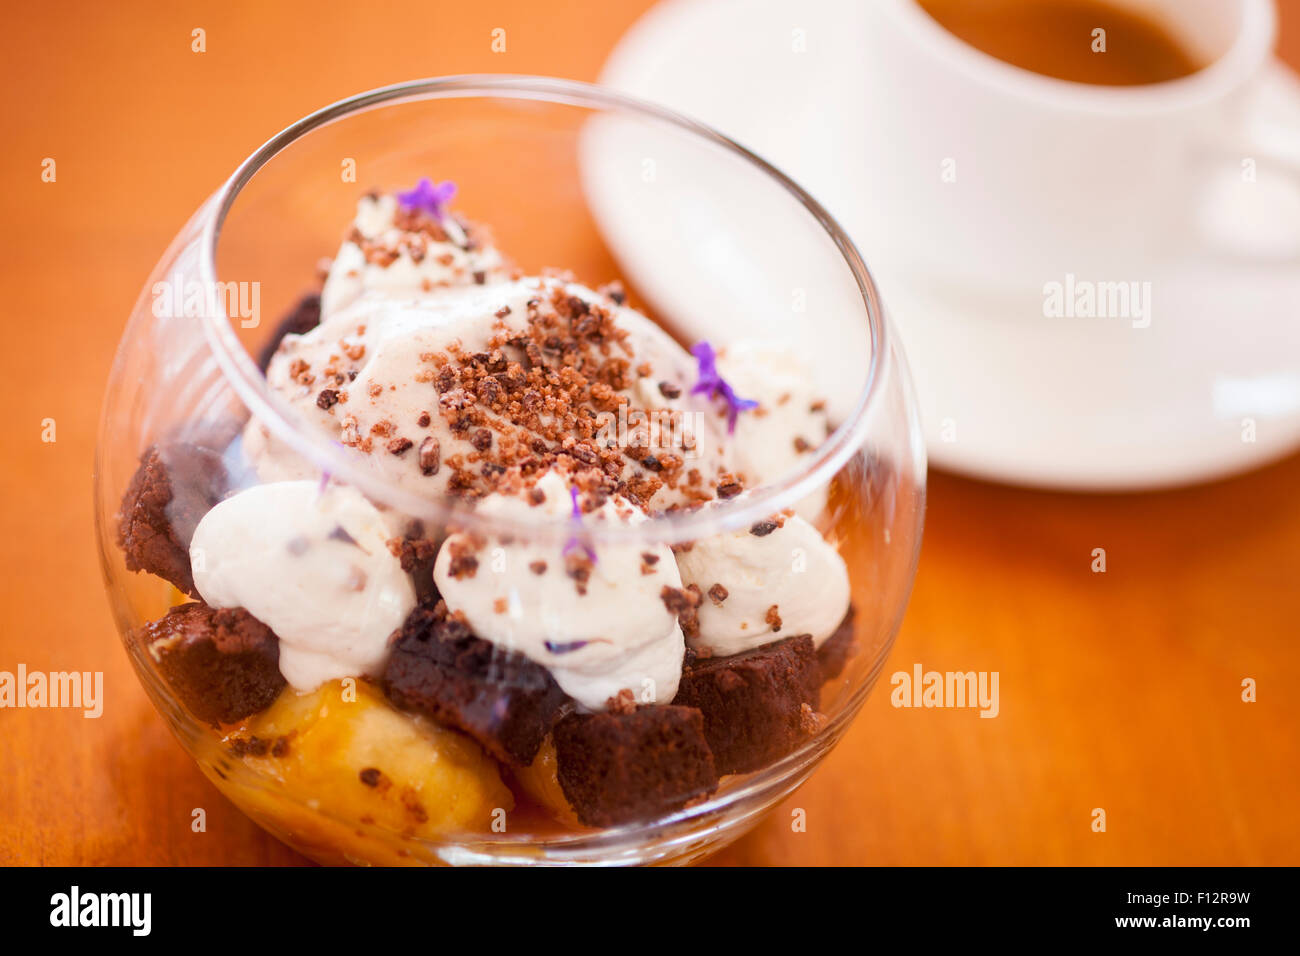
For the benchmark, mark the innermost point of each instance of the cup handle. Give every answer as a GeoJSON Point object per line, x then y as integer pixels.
{"type": "Point", "coordinates": [1265, 141]}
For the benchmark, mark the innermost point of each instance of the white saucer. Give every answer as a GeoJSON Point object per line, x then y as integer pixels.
{"type": "Point", "coordinates": [1211, 387]}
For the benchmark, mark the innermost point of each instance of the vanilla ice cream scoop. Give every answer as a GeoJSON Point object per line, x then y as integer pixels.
{"type": "Point", "coordinates": [772, 441]}
{"type": "Point", "coordinates": [595, 617]}
{"type": "Point", "coordinates": [400, 253]}
{"type": "Point", "coordinates": [777, 579]}
{"type": "Point", "coordinates": [313, 565]}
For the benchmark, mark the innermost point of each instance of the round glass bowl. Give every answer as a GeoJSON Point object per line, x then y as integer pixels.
{"type": "Point", "coordinates": [712, 242]}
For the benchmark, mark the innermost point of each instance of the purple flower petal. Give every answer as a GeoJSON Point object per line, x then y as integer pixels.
{"type": "Point", "coordinates": [573, 543]}
{"type": "Point", "coordinates": [428, 198]}
{"type": "Point", "coordinates": [566, 647]}
{"type": "Point", "coordinates": [712, 383]}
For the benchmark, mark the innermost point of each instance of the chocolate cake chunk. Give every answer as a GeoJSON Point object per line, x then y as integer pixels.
{"type": "Point", "coordinates": [302, 318]}
{"type": "Point", "coordinates": [753, 702]}
{"type": "Point", "coordinates": [176, 484]}
{"type": "Point", "coordinates": [224, 664]}
{"type": "Point", "coordinates": [618, 767]}
{"type": "Point", "coordinates": [838, 648]}
{"type": "Point", "coordinates": [502, 699]}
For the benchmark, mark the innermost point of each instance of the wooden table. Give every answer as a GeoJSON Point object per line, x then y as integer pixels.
{"type": "Point", "coordinates": [1119, 690]}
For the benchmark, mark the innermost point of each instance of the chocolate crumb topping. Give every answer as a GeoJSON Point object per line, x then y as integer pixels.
{"type": "Point", "coordinates": [718, 594]}
{"type": "Point", "coordinates": [761, 529]}
{"type": "Point", "coordinates": [729, 488]}
{"type": "Point", "coordinates": [624, 702]}
{"type": "Point", "coordinates": [327, 398]}
{"type": "Point", "coordinates": [430, 452]}
{"type": "Point", "coordinates": [810, 721]}
{"type": "Point", "coordinates": [537, 567]}
{"type": "Point", "coordinates": [684, 602]}
{"type": "Point", "coordinates": [773, 617]}
{"type": "Point", "coordinates": [614, 291]}
{"type": "Point", "coordinates": [463, 563]}
{"type": "Point", "coordinates": [535, 396]}
{"type": "Point", "coordinates": [578, 567]}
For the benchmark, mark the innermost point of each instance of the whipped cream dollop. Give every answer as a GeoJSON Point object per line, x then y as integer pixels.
{"type": "Point", "coordinates": [455, 392]}
{"type": "Point", "coordinates": [401, 253]}
{"type": "Point", "coordinates": [777, 579]}
{"type": "Point", "coordinates": [313, 565]}
{"type": "Point", "coordinates": [771, 441]}
{"type": "Point", "coordinates": [596, 619]}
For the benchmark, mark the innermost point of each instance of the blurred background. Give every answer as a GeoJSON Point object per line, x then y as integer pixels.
{"type": "Point", "coordinates": [1119, 690]}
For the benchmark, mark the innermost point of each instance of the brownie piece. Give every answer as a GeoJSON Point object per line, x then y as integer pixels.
{"type": "Point", "coordinates": [302, 318]}
{"type": "Point", "coordinates": [753, 702]}
{"type": "Point", "coordinates": [618, 767]}
{"type": "Point", "coordinates": [224, 664]}
{"type": "Point", "coordinates": [441, 669]}
{"type": "Point", "coordinates": [838, 648]}
{"type": "Point", "coordinates": [176, 484]}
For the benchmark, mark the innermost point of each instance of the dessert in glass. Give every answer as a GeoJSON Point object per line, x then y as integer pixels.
{"type": "Point", "coordinates": [473, 556]}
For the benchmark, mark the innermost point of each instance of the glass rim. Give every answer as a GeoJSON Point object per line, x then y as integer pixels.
{"type": "Point", "coordinates": [242, 374]}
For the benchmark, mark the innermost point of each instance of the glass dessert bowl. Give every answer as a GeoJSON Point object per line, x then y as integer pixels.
{"type": "Point", "coordinates": [461, 560]}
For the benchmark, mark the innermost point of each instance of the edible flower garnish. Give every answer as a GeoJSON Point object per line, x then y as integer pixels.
{"type": "Point", "coordinates": [427, 197]}
{"type": "Point", "coordinates": [574, 542]}
{"type": "Point", "coordinates": [568, 647]}
{"type": "Point", "coordinates": [714, 385]}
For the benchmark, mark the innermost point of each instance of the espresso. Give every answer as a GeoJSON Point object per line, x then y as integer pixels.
{"type": "Point", "coordinates": [1058, 38]}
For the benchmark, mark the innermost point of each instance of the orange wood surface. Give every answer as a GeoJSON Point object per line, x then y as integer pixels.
{"type": "Point", "coordinates": [1119, 690]}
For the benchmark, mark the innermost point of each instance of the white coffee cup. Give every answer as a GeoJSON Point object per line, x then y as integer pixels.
{"type": "Point", "coordinates": [862, 101]}
{"type": "Point", "coordinates": [985, 171]}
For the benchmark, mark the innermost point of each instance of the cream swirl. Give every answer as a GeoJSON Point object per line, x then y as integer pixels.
{"type": "Point", "coordinates": [311, 564]}
{"type": "Point", "coordinates": [778, 579]}
{"type": "Point", "coordinates": [598, 623]}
